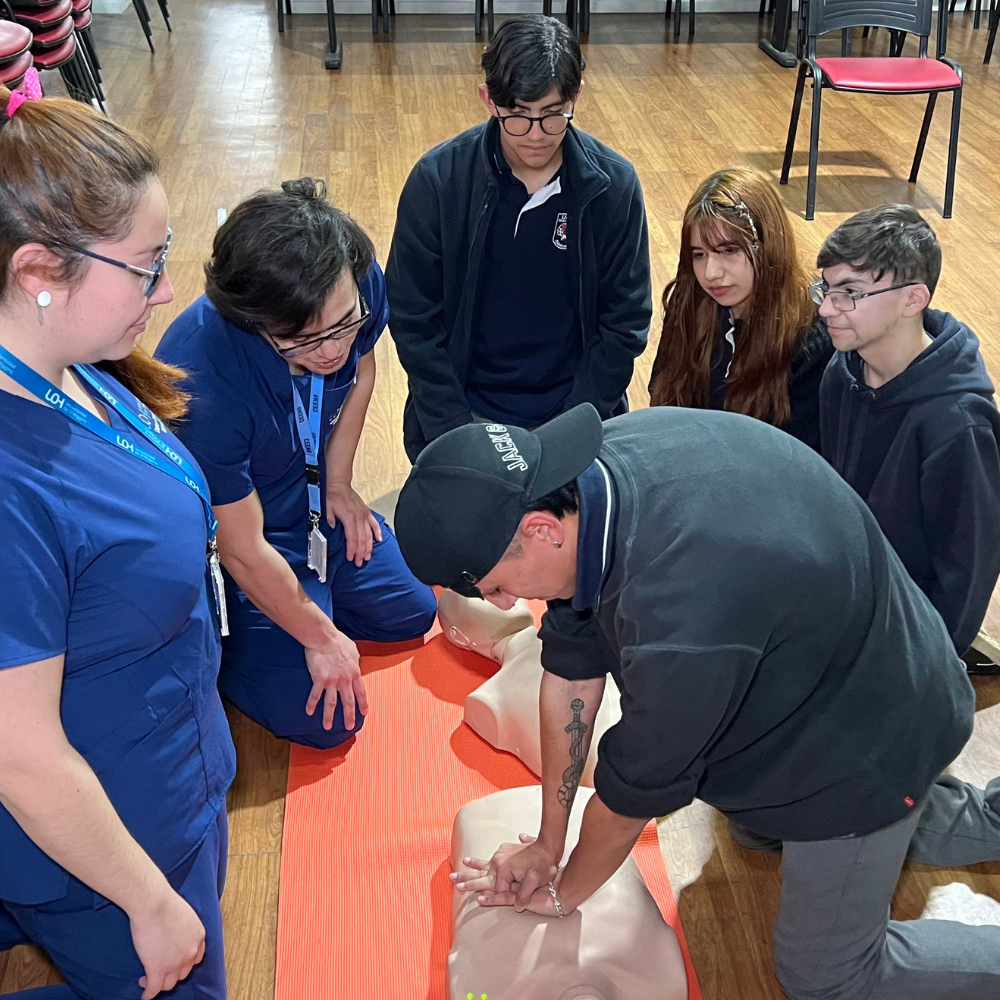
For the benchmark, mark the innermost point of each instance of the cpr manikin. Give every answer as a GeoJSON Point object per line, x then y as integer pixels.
{"type": "Point", "coordinates": [615, 946]}
{"type": "Point", "coordinates": [504, 710]}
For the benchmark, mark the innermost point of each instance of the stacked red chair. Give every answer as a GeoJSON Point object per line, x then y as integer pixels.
{"type": "Point", "coordinates": [56, 46]}
{"type": "Point", "coordinates": [15, 53]}
{"type": "Point", "coordinates": [83, 17]}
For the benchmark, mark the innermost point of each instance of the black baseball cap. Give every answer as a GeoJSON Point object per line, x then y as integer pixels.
{"type": "Point", "coordinates": [468, 490]}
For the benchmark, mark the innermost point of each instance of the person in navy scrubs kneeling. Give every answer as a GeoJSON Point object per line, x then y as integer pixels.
{"type": "Point", "coordinates": [281, 371]}
{"type": "Point", "coordinates": [115, 753]}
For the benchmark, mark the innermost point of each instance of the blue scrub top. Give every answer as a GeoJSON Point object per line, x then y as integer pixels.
{"type": "Point", "coordinates": [241, 425]}
{"type": "Point", "coordinates": [104, 561]}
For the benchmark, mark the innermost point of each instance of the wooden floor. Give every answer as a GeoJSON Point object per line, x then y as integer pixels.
{"type": "Point", "coordinates": [234, 107]}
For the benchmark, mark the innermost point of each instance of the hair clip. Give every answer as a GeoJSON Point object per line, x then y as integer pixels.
{"type": "Point", "coordinates": [744, 213]}
{"type": "Point", "coordinates": [30, 90]}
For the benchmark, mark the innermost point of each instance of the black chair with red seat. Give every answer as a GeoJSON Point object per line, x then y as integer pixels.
{"type": "Point", "coordinates": [15, 49]}
{"type": "Point", "coordinates": [877, 75]}
{"type": "Point", "coordinates": [54, 48]}
{"type": "Point", "coordinates": [83, 18]}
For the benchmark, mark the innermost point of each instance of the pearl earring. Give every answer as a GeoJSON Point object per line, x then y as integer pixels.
{"type": "Point", "coordinates": [44, 298]}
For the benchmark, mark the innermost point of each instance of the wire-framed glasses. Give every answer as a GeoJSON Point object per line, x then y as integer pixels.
{"type": "Point", "coordinates": [844, 301]}
{"type": "Point", "coordinates": [152, 275]}
{"type": "Point", "coordinates": [338, 332]}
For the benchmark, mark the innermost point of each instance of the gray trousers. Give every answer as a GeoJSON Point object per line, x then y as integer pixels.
{"type": "Point", "coordinates": [833, 939]}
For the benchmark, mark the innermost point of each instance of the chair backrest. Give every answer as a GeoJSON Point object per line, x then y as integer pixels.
{"type": "Point", "coordinates": [911, 16]}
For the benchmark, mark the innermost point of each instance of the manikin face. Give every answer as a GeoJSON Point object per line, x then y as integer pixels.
{"type": "Point", "coordinates": [873, 319]}
{"type": "Point", "coordinates": [723, 269]}
{"type": "Point", "coordinates": [537, 149]}
{"type": "Point", "coordinates": [107, 310]}
{"type": "Point", "coordinates": [544, 571]}
{"type": "Point", "coordinates": [341, 310]}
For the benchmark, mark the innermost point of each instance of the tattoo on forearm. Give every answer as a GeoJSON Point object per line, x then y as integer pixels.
{"type": "Point", "coordinates": [571, 776]}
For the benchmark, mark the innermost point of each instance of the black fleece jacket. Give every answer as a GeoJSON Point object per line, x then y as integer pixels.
{"type": "Point", "coordinates": [432, 275]}
{"type": "Point", "coordinates": [775, 659]}
{"type": "Point", "coordinates": [922, 451]}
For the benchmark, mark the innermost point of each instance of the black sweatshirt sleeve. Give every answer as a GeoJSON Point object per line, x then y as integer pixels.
{"type": "Point", "coordinates": [679, 699]}
{"type": "Point", "coordinates": [960, 497]}
{"type": "Point", "coordinates": [573, 645]}
{"type": "Point", "coordinates": [624, 309]}
{"type": "Point", "coordinates": [415, 284]}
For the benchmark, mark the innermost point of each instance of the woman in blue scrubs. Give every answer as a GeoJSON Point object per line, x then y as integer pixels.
{"type": "Point", "coordinates": [280, 363]}
{"type": "Point", "coordinates": [115, 753]}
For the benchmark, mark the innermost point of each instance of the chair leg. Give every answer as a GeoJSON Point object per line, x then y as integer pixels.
{"type": "Point", "coordinates": [166, 13]}
{"type": "Point", "coordinates": [866, 32]}
{"type": "Point", "coordinates": [994, 22]}
{"type": "Point", "coordinates": [585, 17]}
{"type": "Point", "coordinates": [690, 17]}
{"type": "Point", "coordinates": [922, 141]}
{"type": "Point", "coordinates": [91, 85]}
{"type": "Point", "coordinates": [670, 7]}
{"type": "Point", "coordinates": [288, 8]}
{"type": "Point", "coordinates": [375, 6]}
{"type": "Point", "coordinates": [814, 148]}
{"type": "Point", "coordinates": [762, 11]}
{"type": "Point", "coordinates": [143, 15]}
{"type": "Point", "coordinates": [949, 184]}
{"type": "Point", "coordinates": [975, 23]}
{"type": "Point", "coordinates": [793, 123]}
{"type": "Point", "coordinates": [489, 15]}
{"type": "Point", "coordinates": [281, 17]}
{"type": "Point", "coordinates": [478, 18]}
{"type": "Point", "coordinates": [677, 17]}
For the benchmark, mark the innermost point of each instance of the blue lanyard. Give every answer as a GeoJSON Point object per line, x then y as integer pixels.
{"type": "Point", "coordinates": [164, 458]}
{"type": "Point", "coordinates": [309, 425]}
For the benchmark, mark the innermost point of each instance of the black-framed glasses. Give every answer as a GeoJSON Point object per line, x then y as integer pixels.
{"type": "Point", "coordinates": [338, 332]}
{"type": "Point", "coordinates": [844, 301]}
{"type": "Point", "coordinates": [152, 275]}
{"type": "Point", "coordinates": [520, 125]}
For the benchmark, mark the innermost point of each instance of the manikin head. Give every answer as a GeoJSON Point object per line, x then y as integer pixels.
{"type": "Point", "coordinates": [286, 265]}
{"type": "Point", "coordinates": [534, 69]}
{"type": "Point", "coordinates": [880, 269]}
{"type": "Point", "coordinates": [492, 511]}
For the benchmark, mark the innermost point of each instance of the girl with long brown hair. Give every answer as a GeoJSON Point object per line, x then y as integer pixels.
{"type": "Point", "coordinates": [740, 331]}
{"type": "Point", "coordinates": [115, 753]}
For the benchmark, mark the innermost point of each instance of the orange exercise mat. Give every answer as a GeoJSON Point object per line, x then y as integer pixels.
{"type": "Point", "coordinates": [364, 911]}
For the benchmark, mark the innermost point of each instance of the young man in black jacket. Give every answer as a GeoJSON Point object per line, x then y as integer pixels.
{"type": "Point", "coordinates": [518, 277]}
{"type": "Point", "coordinates": [774, 659]}
{"type": "Point", "coordinates": [907, 414]}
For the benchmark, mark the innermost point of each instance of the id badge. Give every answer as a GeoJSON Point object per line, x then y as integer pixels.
{"type": "Point", "coordinates": [316, 553]}
{"type": "Point", "coordinates": [218, 587]}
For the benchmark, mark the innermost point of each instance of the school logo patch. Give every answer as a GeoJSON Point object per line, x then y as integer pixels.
{"type": "Point", "coordinates": [559, 236]}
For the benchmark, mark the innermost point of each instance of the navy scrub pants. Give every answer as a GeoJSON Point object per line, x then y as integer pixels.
{"type": "Point", "coordinates": [90, 942]}
{"type": "Point", "coordinates": [264, 669]}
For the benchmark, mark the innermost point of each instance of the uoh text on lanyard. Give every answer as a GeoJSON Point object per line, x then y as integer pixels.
{"type": "Point", "coordinates": [164, 458]}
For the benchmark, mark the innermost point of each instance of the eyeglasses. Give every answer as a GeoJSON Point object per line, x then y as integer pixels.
{"type": "Point", "coordinates": [334, 333]}
{"type": "Point", "coordinates": [845, 301]}
{"type": "Point", "coordinates": [519, 125]}
{"type": "Point", "coordinates": [152, 275]}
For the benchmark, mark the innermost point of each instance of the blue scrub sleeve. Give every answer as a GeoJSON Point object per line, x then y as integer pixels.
{"type": "Point", "coordinates": [34, 584]}
{"type": "Point", "coordinates": [218, 431]}
{"type": "Point", "coordinates": [373, 289]}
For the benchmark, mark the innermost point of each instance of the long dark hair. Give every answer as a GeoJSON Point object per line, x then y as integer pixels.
{"type": "Point", "coordinates": [735, 207]}
{"type": "Point", "coordinates": [69, 176]}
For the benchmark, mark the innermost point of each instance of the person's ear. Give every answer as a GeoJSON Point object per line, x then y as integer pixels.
{"type": "Point", "coordinates": [484, 96]}
{"type": "Point", "coordinates": [36, 268]}
{"type": "Point", "coordinates": [917, 301]}
{"type": "Point", "coordinates": [543, 526]}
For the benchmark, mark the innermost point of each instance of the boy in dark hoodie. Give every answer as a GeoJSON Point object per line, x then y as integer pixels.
{"type": "Point", "coordinates": [907, 415]}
